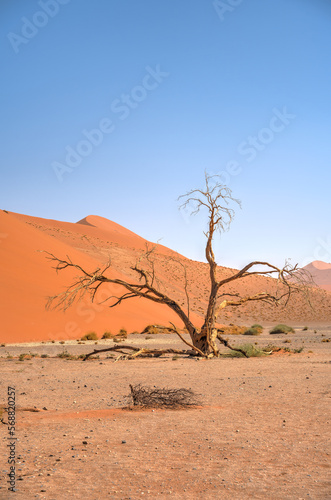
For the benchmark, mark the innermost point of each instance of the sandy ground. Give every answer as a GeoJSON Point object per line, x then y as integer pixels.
{"type": "Point", "coordinates": [262, 430]}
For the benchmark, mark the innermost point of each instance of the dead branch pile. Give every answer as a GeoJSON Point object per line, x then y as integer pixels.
{"type": "Point", "coordinates": [148, 397]}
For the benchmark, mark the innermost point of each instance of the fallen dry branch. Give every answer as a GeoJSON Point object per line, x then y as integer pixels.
{"type": "Point", "coordinates": [135, 352]}
{"type": "Point", "coordinates": [148, 397]}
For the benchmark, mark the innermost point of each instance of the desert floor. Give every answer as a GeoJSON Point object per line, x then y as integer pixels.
{"type": "Point", "coordinates": [261, 432]}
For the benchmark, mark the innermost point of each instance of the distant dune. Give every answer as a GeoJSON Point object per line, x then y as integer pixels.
{"type": "Point", "coordinates": [321, 272]}
{"type": "Point", "coordinates": [28, 278]}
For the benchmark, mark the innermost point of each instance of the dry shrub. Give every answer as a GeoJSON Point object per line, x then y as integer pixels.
{"type": "Point", "coordinates": [90, 336]}
{"type": "Point", "coordinates": [154, 329]}
{"type": "Point", "coordinates": [234, 329]}
{"type": "Point", "coordinates": [107, 335]}
{"type": "Point", "coordinates": [281, 328]}
{"type": "Point", "coordinates": [151, 330]}
{"type": "Point", "coordinates": [122, 333]}
{"type": "Point", "coordinates": [153, 397]}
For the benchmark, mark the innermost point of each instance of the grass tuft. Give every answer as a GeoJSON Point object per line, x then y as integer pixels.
{"type": "Point", "coordinates": [281, 328]}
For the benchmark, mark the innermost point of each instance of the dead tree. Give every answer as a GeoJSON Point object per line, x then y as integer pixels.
{"type": "Point", "coordinates": [215, 199]}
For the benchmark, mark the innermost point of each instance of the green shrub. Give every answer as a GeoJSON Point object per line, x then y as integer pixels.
{"type": "Point", "coordinates": [107, 335]}
{"type": "Point", "coordinates": [22, 357]}
{"type": "Point", "coordinates": [305, 328]}
{"type": "Point", "coordinates": [250, 350]}
{"type": "Point", "coordinates": [65, 355]}
{"type": "Point", "coordinates": [252, 331]}
{"type": "Point", "coordinates": [44, 356]}
{"type": "Point", "coordinates": [90, 336]}
{"type": "Point", "coordinates": [282, 329]}
{"type": "Point", "coordinates": [257, 327]}
{"type": "Point", "coordinates": [122, 333]}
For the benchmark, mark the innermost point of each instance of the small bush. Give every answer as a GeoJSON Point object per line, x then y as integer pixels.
{"type": "Point", "coordinates": [257, 326]}
{"type": "Point", "coordinates": [65, 355]}
{"type": "Point", "coordinates": [21, 357]}
{"type": "Point", "coordinates": [151, 330]}
{"type": "Point", "coordinates": [250, 350]}
{"type": "Point", "coordinates": [107, 335]}
{"type": "Point", "coordinates": [90, 336]}
{"type": "Point", "coordinates": [122, 333]}
{"type": "Point", "coordinates": [233, 329]}
{"type": "Point", "coordinates": [156, 329]}
{"type": "Point", "coordinates": [252, 331]}
{"type": "Point", "coordinates": [305, 328]}
{"type": "Point", "coordinates": [282, 329]}
{"type": "Point", "coordinates": [44, 356]}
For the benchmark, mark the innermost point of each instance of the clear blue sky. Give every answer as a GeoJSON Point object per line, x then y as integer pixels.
{"type": "Point", "coordinates": [174, 88]}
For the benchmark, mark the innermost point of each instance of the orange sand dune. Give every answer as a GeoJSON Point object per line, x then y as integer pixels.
{"type": "Point", "coordinates": [27, 278]}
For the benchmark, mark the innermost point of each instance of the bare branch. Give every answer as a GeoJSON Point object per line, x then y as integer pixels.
{"type": "Point", "coordinates": [136, 351]}
{"type": "Point", "coordinates": [226, 343]}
